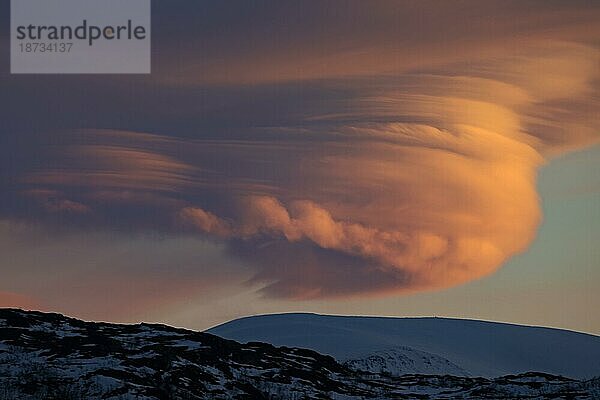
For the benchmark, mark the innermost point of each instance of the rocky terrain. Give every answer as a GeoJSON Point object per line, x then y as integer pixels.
{"type": "Point", "coordinates": [50, 356]}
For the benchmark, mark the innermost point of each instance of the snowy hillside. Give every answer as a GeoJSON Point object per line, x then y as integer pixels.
{"type": "Point", "coordinates": [404, 360]}
{"type": "Point", "coordinates": [478, 348]}
{"type": "Point", "coordinates": [52, 357]}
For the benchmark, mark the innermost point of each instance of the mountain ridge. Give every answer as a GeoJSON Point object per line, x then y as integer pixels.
{"type": "Point", "coordinates": [482, 348]}
{"type": "Point", "coordinates": [422, 317]}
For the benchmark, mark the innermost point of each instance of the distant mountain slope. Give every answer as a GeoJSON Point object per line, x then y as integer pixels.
{"type": "Point", "coordinates": [480, 348]}
{"type": "Point", "coordinates": [52, 357]}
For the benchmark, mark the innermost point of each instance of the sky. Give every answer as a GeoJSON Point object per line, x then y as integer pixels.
{"type": "Point", "coordinates": [386, 158]}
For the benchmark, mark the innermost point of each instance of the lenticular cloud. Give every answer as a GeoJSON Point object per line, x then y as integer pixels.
{"type": "Point", "coordinates": [400, 181]}
{"type": "Point", "coordinates": [428, 179]}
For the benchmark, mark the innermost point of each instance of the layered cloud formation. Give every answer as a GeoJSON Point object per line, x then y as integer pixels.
{"type": "Point", "coordinates": [384, 158]}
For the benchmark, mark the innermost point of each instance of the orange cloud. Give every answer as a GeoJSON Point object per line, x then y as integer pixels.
{"type": "Point", "coordinates": [442, 188]}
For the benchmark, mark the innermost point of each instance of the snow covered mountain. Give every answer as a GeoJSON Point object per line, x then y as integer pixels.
{"type": "Point", "coordinates": [49, 356]}
{"type": "Point", "coordinates": [427, 345]}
